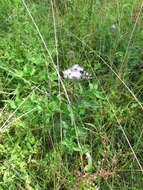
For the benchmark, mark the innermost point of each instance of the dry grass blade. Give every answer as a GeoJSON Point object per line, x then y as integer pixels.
{"type": "Point", "coordinates": [92, 50]}
{"type": "Point", "coordinates": [130, 39]}
{"type": "Point", "coordinates": [118, 121]}
{"type": "Point", "coordinates": [57, 55]}
{"type": "Point", "coordinates": [11, 115]}
{"type": "Point", "coordinates": [20, 117]}
{"type": "Point", "coordinates": [25, 80]}
{"type": "Point", "coordinates": [55, 67]}
{"type": "Point", "coordinates": [47, 50]}
{"type": "Point", "coordinates": [3, 110]}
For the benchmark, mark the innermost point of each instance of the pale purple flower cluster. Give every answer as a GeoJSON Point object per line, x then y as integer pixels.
{"type": "Point", "coordinates": [76, 72]}
{"type": "Point", "coordinates": [113, 26]}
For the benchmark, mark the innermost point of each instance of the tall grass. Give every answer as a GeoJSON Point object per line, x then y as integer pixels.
{"type": "Point", "coordinates": [62, 134]}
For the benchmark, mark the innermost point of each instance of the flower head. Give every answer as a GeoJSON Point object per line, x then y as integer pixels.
{"type": "Point", "coordinates": [76, 72]}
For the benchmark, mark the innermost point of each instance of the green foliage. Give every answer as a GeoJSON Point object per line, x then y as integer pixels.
{"type": "Point", "coordinates": [41, 145]}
